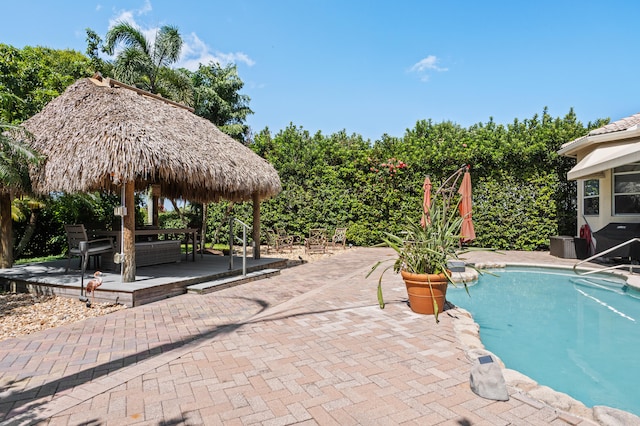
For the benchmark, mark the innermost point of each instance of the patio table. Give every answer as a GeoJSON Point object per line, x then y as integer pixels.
{"type": "Point", "coordinates": [189, 233]}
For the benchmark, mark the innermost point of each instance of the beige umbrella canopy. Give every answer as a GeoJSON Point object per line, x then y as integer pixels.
{"type": "Point", "coordinates": [103, 135]}
{"type": "Point", "coordinates": [100, 134]}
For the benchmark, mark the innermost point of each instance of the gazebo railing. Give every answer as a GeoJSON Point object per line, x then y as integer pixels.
{"type": "Point", "coordinates": [232, 239]}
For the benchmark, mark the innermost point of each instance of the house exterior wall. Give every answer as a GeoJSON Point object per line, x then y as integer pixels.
{"type": "Point", "coordinates": [621, 132]}
{"type": "Point", "coordinates": [606, 215]}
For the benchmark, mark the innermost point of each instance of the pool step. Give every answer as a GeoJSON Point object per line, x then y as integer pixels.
{"type": "Point", "coordinates": [216, 285]}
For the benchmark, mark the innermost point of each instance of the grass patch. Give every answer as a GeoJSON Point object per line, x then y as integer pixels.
{"type": "Point", "coordinates": [39, 259]}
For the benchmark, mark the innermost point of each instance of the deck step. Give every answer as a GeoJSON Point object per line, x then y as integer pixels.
{"type": "Point", "coordinates": [216, 285]}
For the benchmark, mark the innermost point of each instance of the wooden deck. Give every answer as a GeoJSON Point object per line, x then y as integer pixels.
{"type": "Point", "coordinates": [152, 282]}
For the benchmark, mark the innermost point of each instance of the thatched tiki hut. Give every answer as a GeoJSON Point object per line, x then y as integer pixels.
{"type": "Point", "coordinates": [101, 135]}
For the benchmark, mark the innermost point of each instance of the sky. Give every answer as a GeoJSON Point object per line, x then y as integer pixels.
{"type": "Point", "coordinates": [374, 67]}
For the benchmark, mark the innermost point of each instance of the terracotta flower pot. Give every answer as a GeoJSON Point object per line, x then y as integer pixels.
{"type": "Point", "coordinates": [421, 295]}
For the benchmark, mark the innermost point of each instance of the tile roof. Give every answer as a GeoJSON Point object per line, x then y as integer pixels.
{"type": "Point", "coordinates": [617, 126]}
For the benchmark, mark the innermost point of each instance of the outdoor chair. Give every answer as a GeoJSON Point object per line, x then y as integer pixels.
{"type": "Point", "coordinates": [339, 238]}
{"type": "Point", "coordinates": [284, 241]}
{"type": "Point", "coordinates": [271, 238]}
{"type": "Point", "coordinates": [317, 241]}
{"type": "Point", "coordinates": [81, 246]}
{"type": "Point", "coordinates": [197, 245]}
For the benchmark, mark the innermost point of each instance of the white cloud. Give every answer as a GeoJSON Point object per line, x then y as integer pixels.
{"type": "Point", "coordinates": [145, 8]}
{"type": "Point", "coordinates": [422, 67]}
{"type": "Point", "coordinates": [194, 50]}
{"type": "Point", "coordinates": [123, 16]}
{"type": "Point", "coordinates": [236, 57]}
{"type": "Point", "coordinates": [128, 15]}
{"type": "Point", "coordinates": [428, 63]}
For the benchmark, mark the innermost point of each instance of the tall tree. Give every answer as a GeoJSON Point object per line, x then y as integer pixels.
{"type": "Point", "coordinates": [15, 157]}
{"type": "Point", "coordinates": [217, 98]}
{"type": "Point", "coordinates": [146, 63]}
{"type": "Point", "coordinates": [94, 42]}
{"type": "Point", "coordinates": [32, 76]}
{"type": "Point", "coordinates": [29, 79]}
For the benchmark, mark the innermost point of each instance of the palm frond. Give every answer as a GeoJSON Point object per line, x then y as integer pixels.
{"type": "Point", "coordinates": [167, 46]}
{"type": "Point", "coordinates": [175, 85]}
{"type": "Point", "coordinates": [128, 35]}
{"type": "Point", "coordinates": [131, 66]}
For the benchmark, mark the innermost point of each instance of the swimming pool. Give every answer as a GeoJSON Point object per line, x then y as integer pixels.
{"type": "Point", "coordinates": [576, 334]}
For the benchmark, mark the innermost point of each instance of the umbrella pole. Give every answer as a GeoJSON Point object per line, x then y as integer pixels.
{"type": "Point", "coordinates": [84, 247]}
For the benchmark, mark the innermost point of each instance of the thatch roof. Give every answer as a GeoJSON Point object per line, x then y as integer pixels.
{"type": "Point", "coordinates": [100, 134]}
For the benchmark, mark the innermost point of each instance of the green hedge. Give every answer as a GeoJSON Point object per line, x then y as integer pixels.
{"type": "Point", "coordinates": [521, 195]}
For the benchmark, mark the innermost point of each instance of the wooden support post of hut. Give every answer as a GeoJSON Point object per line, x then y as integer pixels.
{"type": "Point", "coordinates": [256, 226]}
{"type": "Point", "coordinates": [129, 235]}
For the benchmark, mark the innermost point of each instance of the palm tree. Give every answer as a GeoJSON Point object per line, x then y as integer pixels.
{"type": "Point", "coordinates": [146, 63]}
{"type": "Point", "coordinates": [15, 158]}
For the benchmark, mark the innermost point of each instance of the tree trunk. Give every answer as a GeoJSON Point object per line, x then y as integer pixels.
{"type": "Point", "coordinates": [28, 233]}
{"type": "Point", "coordinates": [129, 237]}
{"type": "Point", "coordinates": [6, 244]}
{"type": "Point", "coordinates": [177, 209]}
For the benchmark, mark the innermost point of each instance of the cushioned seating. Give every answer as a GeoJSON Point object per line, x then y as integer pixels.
{"type": "Point", "coordinates": [153, 253]}
{"type": "Point", "coordinates": [81, 246]}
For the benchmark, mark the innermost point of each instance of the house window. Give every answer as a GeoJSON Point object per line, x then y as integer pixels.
{"type": "Point", "coordinates": [591, 200]}
{"type": "Point", "coordinates": [626, 189]}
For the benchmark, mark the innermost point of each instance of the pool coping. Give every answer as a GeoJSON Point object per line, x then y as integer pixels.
{"type": "Point", "coordinates": [522, 386]}
{"type": "Point", "coordinates": [471, 274]}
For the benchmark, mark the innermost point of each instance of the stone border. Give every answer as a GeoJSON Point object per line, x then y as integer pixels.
{"type": "Point", "coordinates": [520, 386]}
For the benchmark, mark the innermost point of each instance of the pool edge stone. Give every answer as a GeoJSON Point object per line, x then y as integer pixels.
{"type": "Point", "coordinates": [527, 390]}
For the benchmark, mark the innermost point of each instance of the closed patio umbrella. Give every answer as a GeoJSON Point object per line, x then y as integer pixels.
{"type": "Point", "coordinates": [426, 202]}
{"type": "Point", "coordinates": [467, 232]}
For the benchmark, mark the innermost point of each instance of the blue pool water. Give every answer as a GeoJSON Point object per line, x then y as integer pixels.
{"type": "Point", "coordinates": [576, 334]}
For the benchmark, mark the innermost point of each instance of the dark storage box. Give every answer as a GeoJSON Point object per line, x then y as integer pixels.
{"type": "Point", "coordinates": [562, 246]}
{"type": "Point", "coordinates": [581, 248]}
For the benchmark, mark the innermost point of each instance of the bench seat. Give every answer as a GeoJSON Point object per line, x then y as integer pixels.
{"type": "Point", "coordinates": [150, 253]}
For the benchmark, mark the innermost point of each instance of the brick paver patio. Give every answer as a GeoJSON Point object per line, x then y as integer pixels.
{"type": "Point", "coordinates": [308, 347]}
